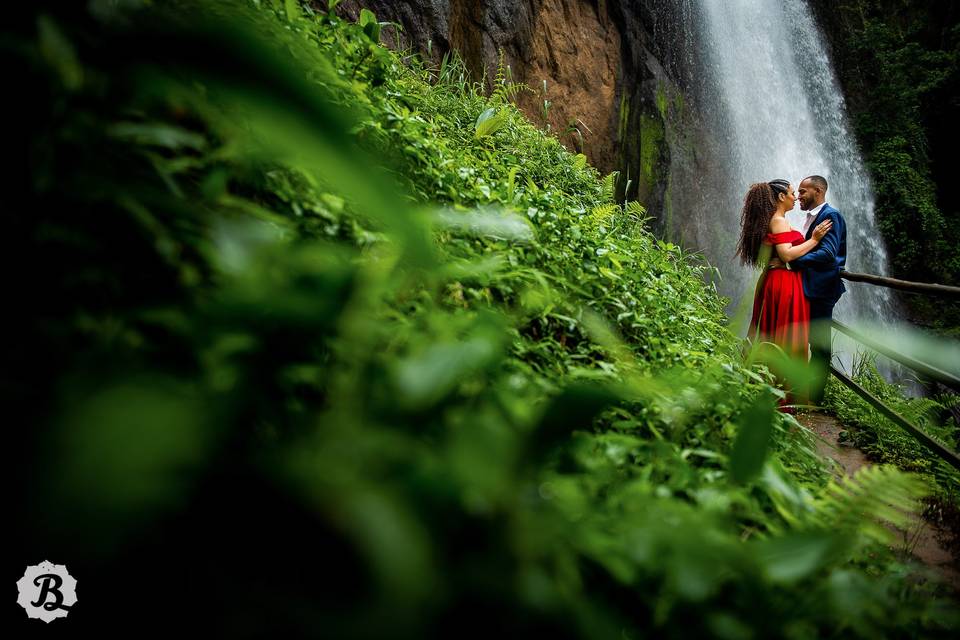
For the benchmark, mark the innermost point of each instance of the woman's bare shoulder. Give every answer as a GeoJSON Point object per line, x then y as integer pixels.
{"type": "Point", "coordinates": [779, 225]}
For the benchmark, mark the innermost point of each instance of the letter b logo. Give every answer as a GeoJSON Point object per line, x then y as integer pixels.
{"type": "Point", "coordinates": [47, 591]}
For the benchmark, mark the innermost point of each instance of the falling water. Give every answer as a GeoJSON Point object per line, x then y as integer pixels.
{"type": "Point", "coordinates": [766, 92]}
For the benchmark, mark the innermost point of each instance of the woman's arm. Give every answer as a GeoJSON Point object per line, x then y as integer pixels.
{"type": "Point", "coordinates": [787, 252]}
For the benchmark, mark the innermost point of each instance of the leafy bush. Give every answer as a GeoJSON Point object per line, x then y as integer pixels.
{"type": "Point", "coordinates": [899, 63]}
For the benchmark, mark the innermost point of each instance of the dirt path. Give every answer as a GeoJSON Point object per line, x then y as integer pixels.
{"type": "Point", "coordinates": [922, 539]}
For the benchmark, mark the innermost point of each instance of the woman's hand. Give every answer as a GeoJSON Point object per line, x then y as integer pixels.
{"type": "Point", "coordinates": [821, 230]}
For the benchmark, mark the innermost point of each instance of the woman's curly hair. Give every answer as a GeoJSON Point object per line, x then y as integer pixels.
{"type": "Point", "coordinates": [758, 207]}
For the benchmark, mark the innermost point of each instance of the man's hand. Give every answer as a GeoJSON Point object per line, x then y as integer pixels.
{"type": "Point", "coordinates": [776, 263]}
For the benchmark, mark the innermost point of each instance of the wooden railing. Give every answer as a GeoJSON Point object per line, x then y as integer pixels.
{"type": "Point", "coordinates": [903, 285]}
{"type": "Point", "coordinates": [944, 377]}
{"type": "Point", "coordinates": [941, 290]}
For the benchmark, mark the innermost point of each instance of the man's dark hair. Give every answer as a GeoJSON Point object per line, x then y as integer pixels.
{"type": "Point", "coordinates": [820, 181]}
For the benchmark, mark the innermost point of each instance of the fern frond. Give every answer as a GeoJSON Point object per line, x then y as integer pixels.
{"type": "Point", "coordinates": [919, 410]}
{"type": "Point", "coordinates": [499, 82]}
{"type": "Point", "coordinates": [504, 88]}
{"type": "Point", "coordinates": [602, 213]}
{"type": "Point", "coordinates": [499, 79]}
{"type": "Point", "coordinates": [636, 210]}
{"type": "Point", "coordinates": [507, 92]}
{"type": "Point", "coordinates": [608, 186]}
{"type": "Point", "coordinates": [863, 503]}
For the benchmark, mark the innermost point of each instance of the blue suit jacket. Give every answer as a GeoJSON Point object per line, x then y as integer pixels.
{"type": "Point", "coordinates": [820, 268]}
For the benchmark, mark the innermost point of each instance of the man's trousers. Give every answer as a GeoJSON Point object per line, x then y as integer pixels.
{"type": "Point", "coordinates": [821, 318]}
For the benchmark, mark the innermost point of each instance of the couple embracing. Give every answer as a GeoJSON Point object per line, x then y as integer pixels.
{"type": "Point", "coordinates": [794, 300]}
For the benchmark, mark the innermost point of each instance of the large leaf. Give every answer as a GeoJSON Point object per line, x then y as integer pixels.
{"type": "Point", "coordinates": [753, 439]}
{"type": "Point", "coordinates": [795, 556]}
{"type": "Point", "coordinates": [435, 369]}
{"type": "Point", "coordinates": [370, 25]}
{"type": "Point", "coordinates": [490, 121]}
{"type": "Point", "coordinates": [573, 409]}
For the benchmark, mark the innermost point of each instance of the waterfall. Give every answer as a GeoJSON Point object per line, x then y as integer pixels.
{"type": "Point", "coordinates": [769, 106]}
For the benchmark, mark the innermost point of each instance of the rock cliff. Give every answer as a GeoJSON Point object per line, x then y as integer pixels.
{"type": "Point", "coordinates": [610, 80]}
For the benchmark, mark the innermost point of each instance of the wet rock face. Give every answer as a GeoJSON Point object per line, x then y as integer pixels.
{"type": "Point", "coordinates": [607, 66]}
{"type": "Point", "coordinates": [573, 45]}
{"type": "Point", "coordinates": [575, 48]}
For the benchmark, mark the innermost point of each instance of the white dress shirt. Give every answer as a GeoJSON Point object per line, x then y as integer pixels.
{"type": "Point", "coordinates": [811, 216]}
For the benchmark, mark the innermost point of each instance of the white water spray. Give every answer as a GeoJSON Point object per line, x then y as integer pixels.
{"type": "Point", "coordinates": [768, 93]}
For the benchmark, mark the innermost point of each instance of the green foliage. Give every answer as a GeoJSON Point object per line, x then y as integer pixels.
{"type": "Point", "coordinates": [490, 121]}
{"type": "Point", "coordinates": [885, 441]}
{"type": "Point", "coordinates": [834, 524]}
{"type": "Point", "coordinates": [608, 186]}
{"type": "Point", "coordinates": [370, 25]}
{"type": "Point", "coordinates": [504, 88]}
{"type": "Point", "coordinates": [900, 64]}
{"type": "Point", "coordinates": [307, 338]}
{"type": "Point", "coordinates": [753, 440]}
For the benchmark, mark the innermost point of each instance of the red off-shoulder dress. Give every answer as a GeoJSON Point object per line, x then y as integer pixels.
{"type": "Point", "coordinates": [781, 313]}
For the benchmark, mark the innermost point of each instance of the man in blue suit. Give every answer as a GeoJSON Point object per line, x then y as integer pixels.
{"type": "Point", "coordinates": [820, 269]}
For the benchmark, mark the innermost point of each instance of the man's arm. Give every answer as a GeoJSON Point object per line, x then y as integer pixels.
{"type": "Point", "coordinates": [825, 254]}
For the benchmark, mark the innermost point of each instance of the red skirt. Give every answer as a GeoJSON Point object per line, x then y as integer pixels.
{"type": "Point", "coordinates": [781, 313]}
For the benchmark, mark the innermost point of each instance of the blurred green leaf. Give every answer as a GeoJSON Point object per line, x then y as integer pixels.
{"type": "Point", "coordinates": [489, 222]}
{"type": "Point", "coordinates": [158, 134]}
{"type": "Point", "coordinates": [130, 449]}
{"type": "Point", "coordinates": [573, 409]}
{"type": "Point", "coordinates": [434, 370]}
{"type": "Point", "coordinates": [59, 53]}
{"type": "Point", "coordinates": [795, 556]}
{"type": "Point", "coordinates": [754, 437]}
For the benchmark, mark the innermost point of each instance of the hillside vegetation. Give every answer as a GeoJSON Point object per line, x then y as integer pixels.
{"type": "Point", "coordinates": [899, 64]}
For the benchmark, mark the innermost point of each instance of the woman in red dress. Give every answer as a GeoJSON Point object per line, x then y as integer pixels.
{"type": "Point", "coordinates": [781, 313]}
